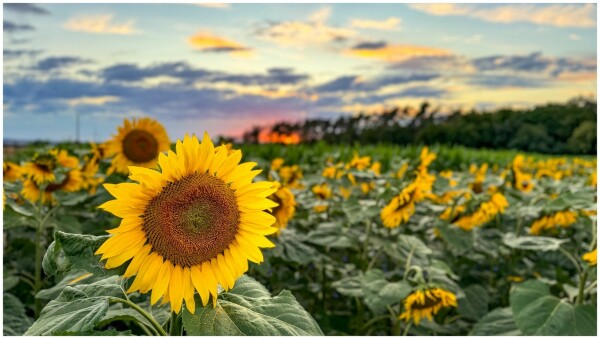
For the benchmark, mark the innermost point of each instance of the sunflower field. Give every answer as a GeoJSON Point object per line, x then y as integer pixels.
{"type": "Point", "coordinates": [148, 235]}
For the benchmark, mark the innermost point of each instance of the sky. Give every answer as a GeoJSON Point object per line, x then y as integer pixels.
{"type": "Point", "coordinates": [224, 68]}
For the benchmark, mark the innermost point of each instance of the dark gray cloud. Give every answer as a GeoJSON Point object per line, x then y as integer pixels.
{"type": "Point", "coordinates": [224, 49]}
{"type": "Point", "coordinates": [424, 92]}
{"type": "Point", "coordinates": [11, 27]}
{"type": "Point", "coordinates": [502, 81]}
{"type": "Point", "coordinates": [53, 63]}
{"type": "Point", "coordinates": [353, 83]}
{"type": "Point", "coordinates": [16, 53]}
{"type": "Point", "coordinates": [25, 8]}
{"type": "Point", "coordinates": [189, 74]}
{"type": "Point", "coordinates": [370, 45]}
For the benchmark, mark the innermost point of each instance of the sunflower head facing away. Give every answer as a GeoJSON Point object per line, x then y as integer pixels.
{"type": "Point", "coordinates": [11, 171]}
{"type": "Point", "coordinates": [138, 143]}
{"type": "Point", "coordinates": [72, 181]}
{"type": "Point", "coordinates": [286, 209]}
{"type": "Point", "coordinates": [191, 226]}
{"type": "Point", "coordinates": [425, 303]}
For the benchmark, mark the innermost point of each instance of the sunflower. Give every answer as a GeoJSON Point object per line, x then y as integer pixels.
{"type": "Point", "coordinates": [323, 191]}
{"type": "Point", "coordinates": [400, 208]}
{"type": "Point", "coordinates": [360, 163]}
{"type": "Point", "coordinates": [41, 168]}
{"type": "Point", "coordinates": [484, 213]}
{"type": "Point", "coordinates": [11, 171]}
{"type": "Point", "coordinates": [191, 226]}
{"type": "Point", "coordinates": [90, 178]}
{"type": "Point", "coordinates": [138, 143]}
{"type": "Point", "coordinates": [591, 257]}
{"type": "Point", "coordinates": [561, 218]}
{"type": "Point", "coordinates": [376, 168]}
{"type": "Point", "coordinates": [425, 303]}
{"type": "Point", "coordinates": [286, 209]}
{"type": "Point", "coordinates": [71, 183]}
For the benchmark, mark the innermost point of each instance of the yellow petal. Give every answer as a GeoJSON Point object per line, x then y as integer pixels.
{"type": "Point", "coordinates": [162, 282]}
{"type": "Point", "coordinates": [199, 284]}
{"type": "Point", "coordinates": [188, 290]}
{"type": "Point", "coordinates": [176, 289]}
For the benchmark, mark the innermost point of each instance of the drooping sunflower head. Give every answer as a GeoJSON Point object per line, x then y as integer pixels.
{"type": "Point", "coordinates": [138, 143]}
{"type": "Point", "coordinates": [41, 168]}
{"type": "Point", "coordinates": [322, 191]}
{"type": "Point", "coordinates": [11, 171]}
{"type": "Point", "coordinates": [192, 225]}
{"type": "Point", "coordinates": [72, 182]}
{"type": "Point", "coordinates": [425, 303]}
{"type": "Point", "coordinates": [360, 163]}
{"type": "Point", "coordinates": [400, 208]}
{"type": "Point", "coordinates": [591, 257]}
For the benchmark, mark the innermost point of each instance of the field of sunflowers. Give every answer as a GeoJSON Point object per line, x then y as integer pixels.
{"type": "Point", "coordinates": [149, 234]}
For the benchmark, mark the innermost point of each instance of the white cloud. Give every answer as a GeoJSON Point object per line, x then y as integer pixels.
{"type": "Point", "coordinates": [219, 5]}
{"type": "Point", "coordinates": [386, 25]}
{"type": "Point", "coordinates": [560, 15]}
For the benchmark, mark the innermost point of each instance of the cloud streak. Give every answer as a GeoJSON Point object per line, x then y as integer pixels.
{"type": "Point", "coordinates": [26, 8]}
{"type": "Point", "coordinates": [393, 53]}
{"type": "Point", "coordinates": [559, 15]}
{"type": "Point", "coordinates": [100, 24]}
{"type": "Point", "coordinates": [389, 24]}
{"type": "Point", "coordinates": [208, 42]}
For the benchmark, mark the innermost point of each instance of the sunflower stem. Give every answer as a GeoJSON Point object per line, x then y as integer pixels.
{"type": "Point", "coordinates": [175, 327]}
{"type": "Point", "coordinates": [155, 324]}
{"type": "Point", "coordinates": [406, 329]}
{"type": "Point", "coordinates": [582, 279]}
{"type": "Point", "coordinates": [366, 245]}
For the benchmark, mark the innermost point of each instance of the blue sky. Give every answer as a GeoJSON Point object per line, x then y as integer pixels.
{"type": "Point", "coordinates": [226, 67]}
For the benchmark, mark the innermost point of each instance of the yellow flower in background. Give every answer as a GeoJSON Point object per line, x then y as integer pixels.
{"type": "Point", "coordinates": [333, 172]}
{"type": "Point", "coordinates": [323, 191]}
{"type": "Point", "coordinates": [425, 303]}
{"type": "Point", "coordinates": [286, 209]}
{"type": "Point", "coordinates": [402, 171]}
{"type": "Point", "coordinates": [484, 213]}
{"type": "Point", "coordinates": [11, 171]}
{"type": "Point", "coordinates": [90, 176]}
{"type": "Point", "coordinates": [345, 192]}
{"type": "Point", "coordinates": [64, 159]}
{"type": "Point", "coordinates": [546, 173]}
{"type": "Point", "coordinates": [191, 226]}
{"type": "Point", "coordinates": [360, 163]}
{"type": "Point", "coordinates": [477, 185]}
{"type": "Point", "coordinates": [523, 181]}
{"type": "Point", "coordinates": [399, 210]}
{"type": "Point", "coordinates": [320, 208]}
{"type": "Point", "coordinates": [277, 163]}
{"type": "Point", "coordinates": [448, 175]}
{"type": "Point", "coordinates": [450, 213]}
{"type": "Point", "coordinates": [591, 257]}
{"type": "Point", "coordinates": [72, 182]}
{"type": "Point", "coordinates": [376, 168]}
{"type": "Point", "coordinates": [561, 218]}
{"type": "Point", "coordinates": [426, 158]}
{"type": "Point", "coordinates": [290, 176]}
{"type": "Point", "coordinates": [592, 181]}
{"type": "Point", "coordinates": [367, 187]}
{"type": "Point", "coordinates": [41, 168]}
{"type": "Point", "coordinates": [137, 143]}
{"type": "Point", "coordinates": [514, 278]}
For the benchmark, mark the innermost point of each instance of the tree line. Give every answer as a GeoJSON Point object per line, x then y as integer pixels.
{"type": "Point", "coordinates": [567, 128]}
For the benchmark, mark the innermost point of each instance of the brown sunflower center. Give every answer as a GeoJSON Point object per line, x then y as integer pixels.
{"type": "Point", "coordinates": [429, 303]}
{"type": "Point", "coordinates": [140, 146]}
{"type": "Point", "coordinates": [192, 220]}
{"type": "Point", "coordinates": [55, 186]}
{"type": "Point", "coordinates": [45, 162]}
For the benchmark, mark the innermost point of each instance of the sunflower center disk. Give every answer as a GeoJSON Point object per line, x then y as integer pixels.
{"type": "Point", "coordinates": [140, 146]}
{"type": "Point", "coordinates": [428, 303]}
{"type": "Point", "coordinates": [192, 220]}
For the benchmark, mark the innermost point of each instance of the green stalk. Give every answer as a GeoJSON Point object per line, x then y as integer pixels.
{"type": "Point", "coordinates": [406, 329]}
{"type": "Point", "coordinates": [175, 327]}
{"type": "Point", "coordinates": [155, 324]}
{"type": "Point", "coordinates": [582, 279]}
{"type": "Point", "coordinates": [366, 245]}
{"type": "Point", "coordinates": [37, 284]}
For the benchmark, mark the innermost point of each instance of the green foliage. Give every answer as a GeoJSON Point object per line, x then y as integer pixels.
{"type": "Point", "coordinates": [249, 309]}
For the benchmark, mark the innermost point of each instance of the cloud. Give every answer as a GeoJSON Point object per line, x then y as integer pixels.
{"type": "Point", "coordinates": [560, 15]}
{"type": "Point", "coordinates": [393, 53]}
{"type": "Point", "coordinates": [25, 8]}
{"type": "Point", "coordinates": [385, 25]}
{"type": "Point", "coordinates": [574, 37]}
{"type": "Point", "coordinates": [214, 5]}
{"type": "Point", "coordinates": [534, 63]}
{"type": "Point", "coordinates": [356, 83]}
{"type": "Point", "coordinates": [52, 63]}
{"type": "Point", "coordinates": [100, 24]}
{"type": "Point", "coordinates": [208, 42]}
{"type": "Point", "coordinates": [305, 33]}
{"type": "Point", "coordinates": [17, 53]}
{"type": "Point", "coordinates": [11, 27]}
{"type": "Point", "coordinates": [92, 101]}
{"type": "Point", "coordinates": [506, 81]}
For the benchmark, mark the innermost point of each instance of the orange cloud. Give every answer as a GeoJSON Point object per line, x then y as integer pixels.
{"type": "Point", "coordinates": [385, 25]}
{"type": "Point", "coordinates": [207, 42]}
{"type": "Point", "coordinates": [100, 24]}
{"type": "Point", "coordinates": [394, 53]}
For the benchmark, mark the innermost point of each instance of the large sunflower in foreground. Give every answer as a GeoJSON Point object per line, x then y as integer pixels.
{"type": "Point", "coordinates": [138, 143]}
{"type": "Point", "coordinates": [190, 227]}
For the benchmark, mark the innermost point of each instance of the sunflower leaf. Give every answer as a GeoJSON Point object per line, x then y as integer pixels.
{"type": "Point", "coordinates": [249, 309]}
{"type": "Point", "coordinates": [15, 321]}
{"type": "Point", "coordinates": [498, 322]}
{"type": "Point", "coordinates": [536, 243]}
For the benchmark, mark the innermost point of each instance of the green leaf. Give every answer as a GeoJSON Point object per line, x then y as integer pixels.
{"type": "Point", "coordinates": [248, 309]}
{"type": "Point", "coordinates": [54, 291]}
{"type": "Point", "coordinates": [475, 302]}
{"type": "Point", "coordinates": [76, 251]}
{"type": "Point", "coordinates": [498, 322]}
{"type": "Point", "coordinates": [25, 210]}
{"type": "Point", "coordinates": [457, 238]}
{"type": "Point", "coordinates": [585, 320]}
{"type": "Point", "coordinates": [582, 200]}
{"type": "Point", "coordinates": [15, 321]}
{"type": "Point", "coordinates": [350, 286]}
{"type": "Point", "coordinates": [292, 248]}
{"type": "Point", "coordinates": [532, 243]}
{"type": "Point", "coordinates": [126, 314]}
{"type": "Point", "coordinates": [332, 235]}
{"type": "Point", "coordinates": [525, 293]}
{"type": "Point", "coordinates": [406, 244]}
{"type": "Point", "coordinates": [77, 309]}
{"type": "Point", "coordinates": [10, 281]}
{"type": "Point", "coordinates": [359, 210]}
